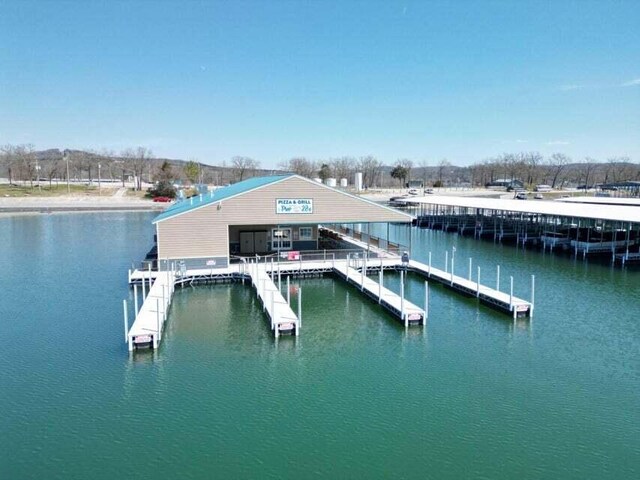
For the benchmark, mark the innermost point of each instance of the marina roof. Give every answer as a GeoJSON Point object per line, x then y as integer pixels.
{"type": "Point", "coordinates": [603, 200]}
{"type": "Point", "coordinates": [620, 213]}
{"type": "Point", "coordinates": [219, 195]}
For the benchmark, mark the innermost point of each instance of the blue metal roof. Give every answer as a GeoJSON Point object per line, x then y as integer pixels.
{"type": "Point", "coordinates": [218, 195]}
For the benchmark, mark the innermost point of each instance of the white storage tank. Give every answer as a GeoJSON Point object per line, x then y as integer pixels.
{"type": "Point", "coordinates": [331, 182]}
{"type": "Point", "coordinates": [343, 183]}
{"type": "Point", "coordinates": [359, 181]}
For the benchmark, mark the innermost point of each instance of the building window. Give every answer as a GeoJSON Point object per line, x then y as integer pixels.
{"type": "Point", "coordinates": [281, 239]}
{"type": "Point", "coordinates": [306, 233]}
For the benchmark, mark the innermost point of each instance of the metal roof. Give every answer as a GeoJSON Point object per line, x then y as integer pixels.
{"type": "Point", "coordinates": [218, 195]}
{"type": "Point", "coordinates": [603, 200]}
{"type": "Point", "coordinates": [618, 213]}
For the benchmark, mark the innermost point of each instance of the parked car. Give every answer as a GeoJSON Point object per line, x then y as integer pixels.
{"type": "Point", "coordinates": [428, 191]}
{"type": "Point", "coordinates": [538, 196]}
{"type": "Point", "coordinates": [521, 196]}
{"type": "Point", "coordinates": [161, 199]}
{"type": "Point", "coordinates": [413, 191]}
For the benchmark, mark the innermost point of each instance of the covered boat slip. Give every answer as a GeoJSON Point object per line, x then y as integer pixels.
{"type": "Point", "coordinates": [579, 228]}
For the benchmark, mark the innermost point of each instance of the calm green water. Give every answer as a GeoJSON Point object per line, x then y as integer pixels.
{"type": "Point", "coordinates": [356, 396]}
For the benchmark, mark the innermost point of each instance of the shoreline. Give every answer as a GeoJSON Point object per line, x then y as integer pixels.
{"type": "Point", "coordinates": [70, 204]}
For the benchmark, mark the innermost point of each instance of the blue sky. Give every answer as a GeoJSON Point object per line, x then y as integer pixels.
{"type": "Point", "coordinates": [460, 80]}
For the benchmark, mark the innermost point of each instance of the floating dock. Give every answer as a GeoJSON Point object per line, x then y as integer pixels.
{"type": "Point", "coordinates": [266, 276]}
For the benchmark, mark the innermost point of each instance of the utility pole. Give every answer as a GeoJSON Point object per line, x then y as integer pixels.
{"type": "Point", "coordinates": [65, 154]}
{"type": "Point", "coordinates": [99, 185]}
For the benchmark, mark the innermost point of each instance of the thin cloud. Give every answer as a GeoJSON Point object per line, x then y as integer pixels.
{"type": "Point", "coordinates": [633, 83]}
{"type": "Point", "coordinates": [558, 142]}
{"type": "Point", "coordinates": [569, 88]}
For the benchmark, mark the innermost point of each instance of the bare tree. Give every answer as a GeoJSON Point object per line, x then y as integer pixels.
{"type": "Point", "coordinates": [137, 159]}
{"type": "Point", "coordinates": [343, 167]}
{"type": "Point", "coordinates": [370, 167]}
{"type": "Point", "coordinates": [443, 169]}
{"type": "Point", "coordinates": [242, 166]}
{"type": "Point", "coordinates": [300, 166]}
{"type": "Point", "coordinates": [557, 164]}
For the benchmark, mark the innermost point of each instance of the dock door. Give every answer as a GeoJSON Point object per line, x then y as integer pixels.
{"type": "Point", "coordinates": [253, 242]}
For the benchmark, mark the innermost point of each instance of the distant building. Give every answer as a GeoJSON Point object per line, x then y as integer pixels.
{"type": "Point", "coordinates": [505, 183]}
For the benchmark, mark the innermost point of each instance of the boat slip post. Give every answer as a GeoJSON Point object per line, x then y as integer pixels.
{"type": "Point", "coordinates": [446, 261]}
{"type": "Point", "coordinates": [135, 299]}
{"type": "Point", "coordinates": [362, 273]}
{"type": "Point", "coordinates": [406, 321]}
{"type": "Point", "coordinates": [478, 284]}
{"type": "Point", "coordinates": [144, 288]}
{"type": "Point", "coordinates": [470, 266]}
{"type": "Point", "coordinates": [498, 278]}
{"type": "Point", "coordinates": [149, 276]}
{"type": "Point", "coordinates": [156, 337]}
{"type": "Point", "coordinates": [126, 320]}
{"type": "Point", "coordinates": [299, 308]}
{"type": "Point", "coordinates": [272, 313]}
{"type": "Point", "coordinates": [380, 278]}
{"type": "Point", "coordinates": [511, 294]}
{"type": "Point", "coordinates": [348, 265]}
{"type": "Point", "coordinates": [533, 294]}
{"type": "Point", "coordinates": [164, 302]}
{"type": "Point", "coordinates": [272, 278]}
{"type": "Point", "coordinates": [429, 271]}
{"type": "Point", "coordinates": [426, 302]}
{"type": "Point", "coordinates": [288, 292]}
{"type": "Point", "coordinates": [279, 279]}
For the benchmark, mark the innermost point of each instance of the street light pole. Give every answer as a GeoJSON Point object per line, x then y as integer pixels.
{"type": "Point", "coordinates": [38, 174]}
{"type": "Point", "coordinates": [99, 185]}
{"type": "Point", "coordinates": [66, 157]}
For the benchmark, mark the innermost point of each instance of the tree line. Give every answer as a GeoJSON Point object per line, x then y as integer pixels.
{"type": "Point", "coordinates": [22, 163]}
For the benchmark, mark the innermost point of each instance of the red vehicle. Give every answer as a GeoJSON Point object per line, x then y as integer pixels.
{"type": "Point", "coordinates": [161, 199]}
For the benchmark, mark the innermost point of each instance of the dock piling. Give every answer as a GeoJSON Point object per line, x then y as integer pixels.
{"type": "Point", "coordinates": [426, 303]}
{"type": "Point", "coordinates": [135, 300]}
{"type": "Point", "coordinates": [126, 320]}
{"type": "Point", "coordinates": [498, 278]}
{"type": "Point", "coordinates": [533, 294]}
{"type": "Point", "coordinates": [144, 288]}
{"type": "Point", "coordinates": [402, 317]}
{"type": "Point", "coordinates": [288, 291]}
{"type": "Point", "coordinates": [380, 280]}
{"type": "Point", "coordinates": [299, 308]}
{"type": "Point", "coordinates": [511, 293]}
{"type": "Point", "coordinates": [429, 270]}
{"type": "Point", "coordinates": [470, 267]}
{"type": "Point", "coordinates": [273, 312]}
{"type": "Point", "coordinates": [478, 284]}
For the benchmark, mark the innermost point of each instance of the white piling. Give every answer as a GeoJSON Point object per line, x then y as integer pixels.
{"type": "Point", "coordinates": [279, 280]}
{"type": "Point", "coordinates": [429, 271]}
{"type": "Point", "coordinates": [511, 293]}
{"type": "Point", "coordinates": [272, 311]}
{"type": "Point", "coordinates": [126, 320]}
{"type": "Point", "coordinates": [452, 259]}
{"type": "Point", "coordinates": [144, 288]}
{"type": "Point", "coordinates": [156, 337]}
{"type": "Point", "coordinates": [533, 294]}
{"type": "Point", "coordinates": [164, 304]}
{"type": "Point", "coordinates": [299, 308]}
{"type": "Point", "coordinates": [380, 280]}
{"type": "Point", "coordinates": [288, 292]}
{"type": "Point", "coordinates": [149, 276]}
{"type": "Point", "coordinates": [136, 309]}
{"type": "Point", "coordinates": [498, 278]}
{"type": "Point", "coordinates": [446, 261]}
{"type": "Point", "coordinates": [272, 273]}
{"type": "Point", "coordinates": [470, 266]}
{"type": "Point", "coordinates": [402, 317]}
{"type": "Point", "coordinates": [426, 303]}
{"type": "Point", "coordinates": [348, 265]}
{"type": "Point", "coordinates": [362, 273]}
{"type": "Point", "coordinates": [478, 284]}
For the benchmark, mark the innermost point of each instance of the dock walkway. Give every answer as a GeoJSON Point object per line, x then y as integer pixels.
{"type": "Point", "coordinates": [503, 301]}
{"type": "Point", "coordinates": [149, 320]}
{"type": "Point", "coordinates": [407, 312]}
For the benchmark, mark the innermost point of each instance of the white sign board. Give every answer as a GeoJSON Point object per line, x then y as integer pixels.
{"type": "Point", "coordinates": [294, 205]}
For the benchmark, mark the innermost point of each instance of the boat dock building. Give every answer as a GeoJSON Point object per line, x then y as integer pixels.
{"type": "Point", "coordinates": [264, 231]}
